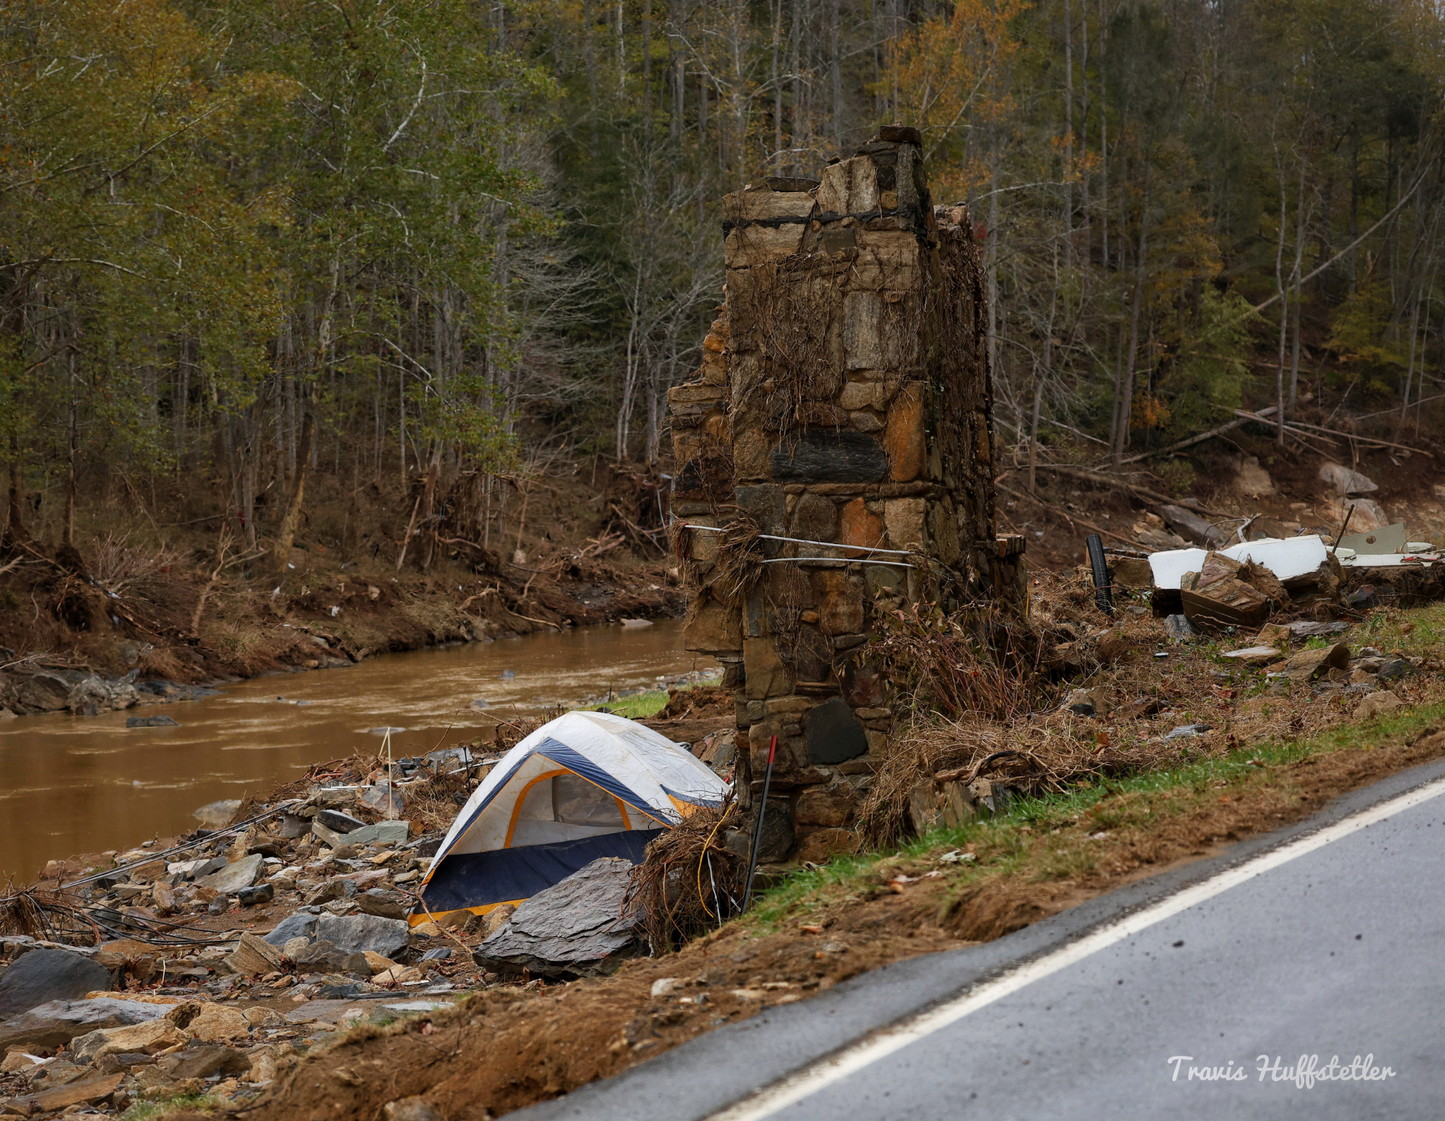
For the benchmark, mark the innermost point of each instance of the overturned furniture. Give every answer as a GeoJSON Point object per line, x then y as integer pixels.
{"type": "Point", "coordinates": [584, 786]}
{"type": "Point", "coordinates": [834, 459]}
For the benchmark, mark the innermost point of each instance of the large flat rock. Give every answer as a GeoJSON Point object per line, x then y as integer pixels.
{"type": "Point", "coordinates": [576, 928]}
{"type": "Point", "coordinates": [358, 933]}
{"type": "Point", "coordinates": [233, 877]}
{"type": "Point", "coordinates": [827, 456]}
{"type": "Point", "coordinates": [60, 1021]}
{"type": "Point", "coordinates": [41, 976]}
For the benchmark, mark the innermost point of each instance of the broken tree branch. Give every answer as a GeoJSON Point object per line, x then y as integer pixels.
{"type": "Point", "coordinates": [1071, 519]}
{"type": "Point", "coordinates": [1192, 440]}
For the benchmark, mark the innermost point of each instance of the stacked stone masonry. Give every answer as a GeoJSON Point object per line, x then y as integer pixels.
{"type": "Point", "coordinates": [844, 398]}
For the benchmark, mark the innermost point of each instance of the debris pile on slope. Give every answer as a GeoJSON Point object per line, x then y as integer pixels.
{"type": "Point", "coordinates": [1133, 692]}
{"type": "Point", "coordinates": [211, 964]}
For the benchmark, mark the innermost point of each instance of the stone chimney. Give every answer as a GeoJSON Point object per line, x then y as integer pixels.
{"type": "Point", "coordinates": [833, 458]}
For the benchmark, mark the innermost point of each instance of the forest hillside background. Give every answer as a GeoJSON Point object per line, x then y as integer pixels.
{"type": "Point", "coordinates": [407, 258]}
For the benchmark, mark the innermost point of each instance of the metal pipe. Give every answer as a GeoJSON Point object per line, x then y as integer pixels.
{"type": "Point", "coordinates": [758, 829]}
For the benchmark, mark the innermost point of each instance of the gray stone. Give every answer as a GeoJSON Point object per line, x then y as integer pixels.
{"type": "Point", "coordinates": [203, 1060]}
{"type": "Point", "coordinates": [1179, 628]}
{"type": "Point", "coordinates": [358, 933]}
{"type": "Point", "coordinates": [197, 869]}
{"type": "Point", "coordinates": [321, 956]}
{"type": "Point", "coordinates": [60, 1021]}
{"type": "Point", "coordinates": [766, 505]}
{"type": "Point", "coordinates": [1395, 668]}
{"type": "Point", "coordinates": [1190, 525]}
{"type": "Point", "coordinates": [453, 758]}
{"type": "Point", "coordinates": [261, 893]}
{"type": "Point", "coordinates": [833, 733]}
{"type": "Point", "coordinates": [331, 889]}
{"type": "Point", "coordinates": [815, 518]}
{"type": "Point", "coordinates": [295, 925]}
{"type": "Point", "coordinates": [93, 695]}
{"type": "Point", "coordinates": [384, 798]}
{"type": "Point", "coordinates": [45, 975]}
{"type": "Point", "coordinates": [159, 721]}
{"type": "Point", "coordinates": [1312, 630]}
{"type": "Point", "coordinates": [382, 833]}
{"type": "Point", "coordinates": [776, 842]}
{"type": "Point", "coordinates": [253, 957]}
{"type": "Point", "coordinates": [233, 877]}
{"type": "Point", "coordinates": [213, 815]}
{"type": "Point", "coordinates": [337, 821]}
{"type": "Point", "coordinates": [43, 692]}
{"type": "Point", "coordinates": [575, 928]}
{"type": "Point", "coordinates": [1346, 481]}
{"type": "Point", "coordinates": [829, 456]}
{"type": "Point", "coordinates": [386, 904]}
{"type": "Point", "coordinates": [294, 825]}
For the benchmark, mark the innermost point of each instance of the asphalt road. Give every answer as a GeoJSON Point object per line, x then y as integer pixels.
{"type": "Point", "coordinates": [1325, 941]}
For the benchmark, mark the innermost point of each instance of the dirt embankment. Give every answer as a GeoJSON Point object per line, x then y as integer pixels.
{"type": "Point", "coordinates": [541, 1042]}
{"type": "Point", "coordinates": [140, 600]}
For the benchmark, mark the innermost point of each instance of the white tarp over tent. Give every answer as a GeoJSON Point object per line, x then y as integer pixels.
{"type": "Point", "coordinates": [585, 785]}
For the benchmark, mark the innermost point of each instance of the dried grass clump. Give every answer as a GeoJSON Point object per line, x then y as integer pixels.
{"type": "Point", "coordinates": [509, 733]}
{"type": "Point", "coordinates": [980, 663]}
{"type": "Point", "coordinates": [1047, 753]}
{"type": "Point", "coordinates": [115, 564]}
{"type": "Point", "coordinates": [739, 559]}
{"type": "Point", "coordinates": [688, 883]}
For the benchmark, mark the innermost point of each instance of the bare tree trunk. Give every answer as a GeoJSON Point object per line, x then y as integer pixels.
{"type": "Point", "coordinates": [991, 265]}
{"type": "Point", "coordinates": [1103, 147]}
{"type": "Point", "coordinates": [1125, 392]}
{"type": "Point", "coordinates": [15, 530]}
{"type": "Point", "coordinates": [287, 533]}
{"type": "Point", "coordinates": [1299, 249]}
{"type": "Point", "coordinates": [1283, 309]}
{"type": "Point", "coordinates": [72, 440]}
{"type": "Point", "coordinates": [1068, 132]}
{"type": "Point", "coordinates": [1043, 375]}
{"type": "Point", "coordinates": [1410, 369]}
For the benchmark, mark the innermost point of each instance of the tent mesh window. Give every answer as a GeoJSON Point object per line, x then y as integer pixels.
{"type": "Point", "coordinates": [575, 801]}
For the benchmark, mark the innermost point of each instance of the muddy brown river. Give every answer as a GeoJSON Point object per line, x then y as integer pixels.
{"type": "Point", "coordinates": [76, 784]}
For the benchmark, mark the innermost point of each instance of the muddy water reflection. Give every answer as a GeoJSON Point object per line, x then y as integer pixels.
{"type": "Point", "coordinates": [85, 784]}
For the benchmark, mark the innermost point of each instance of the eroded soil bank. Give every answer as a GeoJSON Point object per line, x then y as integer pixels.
{"type": "Point", "coordinates": [136, 607]}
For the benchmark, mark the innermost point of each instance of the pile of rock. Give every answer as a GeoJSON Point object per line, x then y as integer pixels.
{"type": "Point", "coordinates": [28, 689]}
{"type": "Point", "coordinates": [236, 954]}
{"type": "Point", "coordinates": [83, 1046]}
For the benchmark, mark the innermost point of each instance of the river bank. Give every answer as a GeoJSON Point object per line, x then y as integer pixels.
{"type": "Point", "coordinates": [74, 784]}
{"type": "Point", "coordinates": [90, 616]}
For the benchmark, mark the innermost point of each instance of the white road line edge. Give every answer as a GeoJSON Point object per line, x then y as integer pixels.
{"type": "Point", "coordinates": [810, 1079]}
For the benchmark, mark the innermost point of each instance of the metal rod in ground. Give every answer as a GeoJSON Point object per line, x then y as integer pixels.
{"type": "Point", "coordinates": [758, 828]}
{"type": "Point", "coordinates": [1343, 526]}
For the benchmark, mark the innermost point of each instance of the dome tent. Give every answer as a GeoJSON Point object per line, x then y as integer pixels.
{"type": "Point", "coordinates": [586, 785]}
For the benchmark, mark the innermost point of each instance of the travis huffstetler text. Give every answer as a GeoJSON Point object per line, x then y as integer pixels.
{"type": "Point", "coordinates": [1304, 1073]}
